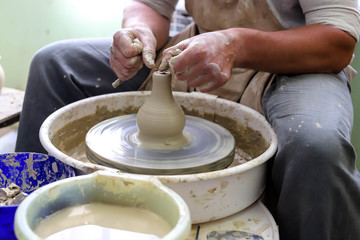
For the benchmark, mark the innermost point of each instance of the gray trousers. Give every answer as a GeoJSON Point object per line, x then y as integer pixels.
{"type": "Point", "coordinates": [314, 184]}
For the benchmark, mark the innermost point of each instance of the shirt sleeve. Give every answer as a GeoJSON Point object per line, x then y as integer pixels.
{"type": "Point", "coordinates": [164, 7]}
{"type": "Point", "coordinates": [341, 14]}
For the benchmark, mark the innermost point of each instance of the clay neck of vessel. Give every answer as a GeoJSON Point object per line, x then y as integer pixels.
{"type": "Point", "coordinates": [160, 119]}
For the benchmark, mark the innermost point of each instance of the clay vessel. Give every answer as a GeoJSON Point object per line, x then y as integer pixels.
{"type": "Point", "coordinates": [161, 120]}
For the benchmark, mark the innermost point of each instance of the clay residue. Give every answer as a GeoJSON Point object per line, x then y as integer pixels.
{"type": "Point", "coordinates": [73, 134]}
{"type": "Point", "coordinates": [204, 115]}
{"type": "Point", "coordinates": [27, 175]}
{"type": "Point", "coordinates": [248, 140]}
{"type": "Point", "coordinates": [11, 195]}
{"type": "Point", "coordinates": [30, 166]}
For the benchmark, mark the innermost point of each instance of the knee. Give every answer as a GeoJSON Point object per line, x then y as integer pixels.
{"type": "Point", "coordinates": [322, 152]}
{"type": "Point", "coordinates": [50, 55]}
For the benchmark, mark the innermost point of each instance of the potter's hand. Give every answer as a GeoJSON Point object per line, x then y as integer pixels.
{"type": "Point", "coordinates": [130, 49]}
{"type": "Point", "coordinates": [204, 61]}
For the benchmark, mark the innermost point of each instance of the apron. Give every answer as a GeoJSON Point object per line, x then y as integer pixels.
{"type": "Point", "coordinates": [245, 86]}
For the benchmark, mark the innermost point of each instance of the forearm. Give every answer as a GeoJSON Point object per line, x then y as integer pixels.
{"type": "Point", "coordinates": [137, 14]}
{"type": "Point", "coordinates": [307, 49]}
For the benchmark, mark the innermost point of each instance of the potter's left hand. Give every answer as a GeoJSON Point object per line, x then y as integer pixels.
{"type": "Point", "coordinates": [204, 61]}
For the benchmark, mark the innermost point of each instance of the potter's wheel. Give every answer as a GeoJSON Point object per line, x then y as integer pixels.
{"type": "Point", "coordinates": [114, 143]}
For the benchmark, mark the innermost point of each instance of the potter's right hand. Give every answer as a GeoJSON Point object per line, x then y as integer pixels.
{"type": "Point", "coordinates": [131, 48]}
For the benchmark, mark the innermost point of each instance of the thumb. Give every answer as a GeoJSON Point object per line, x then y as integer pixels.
{"type": "Point", "coordinates": [148, 50]}
{"type": "Point", "coordinates": [144, 43]}
{"type": "Point", "coordinates": [137, 44]}
{"type": "Point", "coordinates": [148, 55]}
{"type": "Point", "coordinates": [169, 58]}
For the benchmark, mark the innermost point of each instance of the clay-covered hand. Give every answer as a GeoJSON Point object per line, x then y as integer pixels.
{"type": "Point", "coordinates": [131, 48]}
{"type": "Point", "coordinates": [204, 61]}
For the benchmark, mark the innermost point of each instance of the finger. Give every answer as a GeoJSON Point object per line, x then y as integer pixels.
{"type": "Point", "coordinates": [136, 43]}
{"type": "Point", "coordinates": [123, 72]}
{"type": "Point", "coordinates": [192, 73]}
{"type": "Point", "coordinates": [131, 62]}
{"type": "Point", "coordinates": [169, 58]}
{"type": "Point", "coordinates": [126, 43]}
{"type": "Point", "coordinates": [207, 87]}
{"type": "Point", "coordinates": [148, 56]}
{"type": "Point", "coordinates": [164, 65]}
{"type": "Point", "coordinates": [125, 76]}
{"type": "Point", "coordinates": [206, 79]}
{"type": "Point", "coordinates": [148, 42]}
{"type": "Point", "coordinates": [188, 59]}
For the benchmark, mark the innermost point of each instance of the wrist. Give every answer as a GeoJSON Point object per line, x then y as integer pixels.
{"type": "Point", "coordinates": [241, 42]}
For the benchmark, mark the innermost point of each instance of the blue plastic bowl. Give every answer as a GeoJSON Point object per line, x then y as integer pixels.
{"type": "Point", "coordinates": [29, 171]}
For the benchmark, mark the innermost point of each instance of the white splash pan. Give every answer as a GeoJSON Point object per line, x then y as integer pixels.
{"type": "Point", "coordinates": [210, 196]}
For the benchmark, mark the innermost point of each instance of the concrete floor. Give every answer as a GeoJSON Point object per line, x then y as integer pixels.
{"type": "Point", "coordinates": [8, 137]}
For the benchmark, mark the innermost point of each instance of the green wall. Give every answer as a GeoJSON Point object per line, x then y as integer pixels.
{"type": "Point", "coordinates": [28, 25]}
